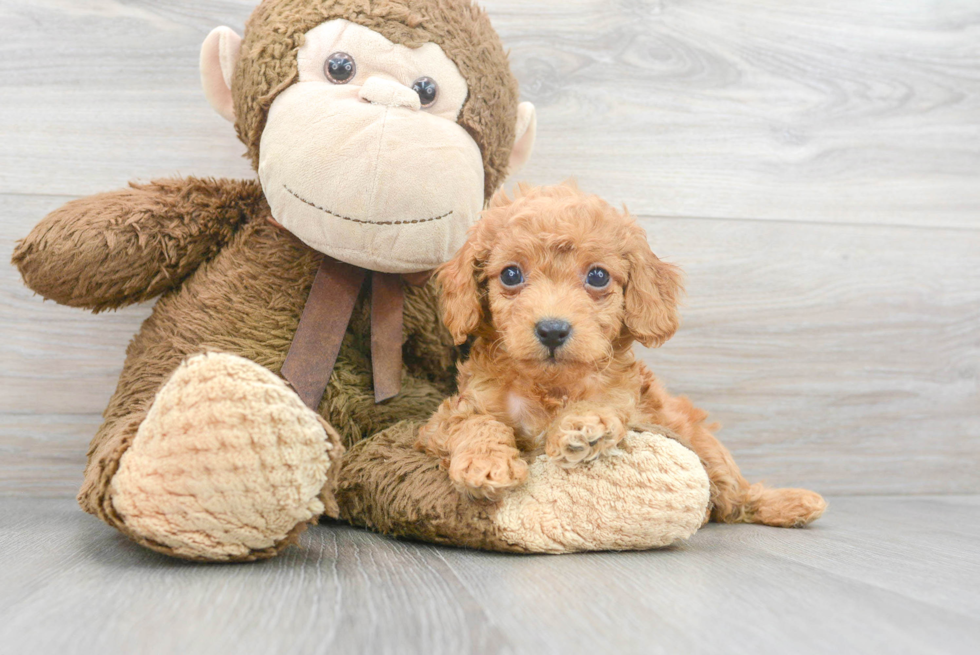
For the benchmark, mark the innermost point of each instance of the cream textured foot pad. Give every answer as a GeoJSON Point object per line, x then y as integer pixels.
{"type": "Point", "coordinates": [648, 493]}
{"type": "Point", "coordinates": [228, 462]}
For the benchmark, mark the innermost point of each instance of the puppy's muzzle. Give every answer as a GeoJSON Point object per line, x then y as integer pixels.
{"type": "Point", "coordinates": [552, 333]}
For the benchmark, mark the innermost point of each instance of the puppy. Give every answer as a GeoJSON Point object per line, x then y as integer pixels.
{"type": "Point", "coordinates": [554, 287]}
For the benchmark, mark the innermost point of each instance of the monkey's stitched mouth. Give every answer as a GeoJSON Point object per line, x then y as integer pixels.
{"type": "Point", "coordinates": [363, 222]}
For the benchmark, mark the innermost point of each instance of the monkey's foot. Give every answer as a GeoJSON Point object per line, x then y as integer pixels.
{"type": "Point", "coordinates": [229, 464]}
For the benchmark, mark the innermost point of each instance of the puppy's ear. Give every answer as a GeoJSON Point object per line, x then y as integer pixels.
{"type": "Point", "coordinates": [651, 294]}
{"type": "Point", "coordinates": [461, 302]}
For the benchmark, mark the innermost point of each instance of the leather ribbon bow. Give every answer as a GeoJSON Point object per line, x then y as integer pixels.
{"type": "Point", "coordinates": [324, 321]}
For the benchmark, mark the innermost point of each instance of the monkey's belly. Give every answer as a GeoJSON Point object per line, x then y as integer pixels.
{"type": "Point", "coordinates": [247, 301]}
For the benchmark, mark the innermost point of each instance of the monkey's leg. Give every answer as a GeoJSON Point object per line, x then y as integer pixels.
{"type": "Point", "coordinates": [226, 463]}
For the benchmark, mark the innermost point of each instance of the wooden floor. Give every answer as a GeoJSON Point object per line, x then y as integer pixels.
{"type": "Point", "coordinates": [815, 170]}
{"type": "Point", "coordinates": [876, 575]}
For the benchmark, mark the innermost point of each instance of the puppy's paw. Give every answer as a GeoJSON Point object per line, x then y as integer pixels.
{"type": "Point", "coordinates": [579, 438]}
{"type": "Point", "coordinates": [487, 475]}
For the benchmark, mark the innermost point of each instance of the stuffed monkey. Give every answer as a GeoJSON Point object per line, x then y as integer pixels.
{"type": "Point", "coordinates": [294, 317]}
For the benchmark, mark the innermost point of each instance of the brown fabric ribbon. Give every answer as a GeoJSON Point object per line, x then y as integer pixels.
{"type": "Point", "coordinates": [316, 344]}
{"type": "Point", "coordinates": [387, 303]}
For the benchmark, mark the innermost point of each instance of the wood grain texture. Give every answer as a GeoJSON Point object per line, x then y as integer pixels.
{"type": "Point", "coordinates": [846, 358]}
{"type": "Point", "coordinates": [840, 347]}
{"type": "Point", "coordinates": [835, 111]}
{"type": "Point", "coordinates": [876, 575]}
{"type": "Point", "coordinates": [845, 112]}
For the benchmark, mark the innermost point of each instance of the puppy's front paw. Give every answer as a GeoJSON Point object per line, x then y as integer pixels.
{"type": "Point", "coordinates": [580, 438]}
{"type": "Point", "coordinates": [487, 476]}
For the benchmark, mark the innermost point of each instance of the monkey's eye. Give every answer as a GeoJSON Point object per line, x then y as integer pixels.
{"type": "Point", "coordinates": [340, 68]}
{"type": "Point", "coordinates": [597, 278]}
{"type": "Point", "coordinates": [427, 89]}
{"type": "Point", "coordinates": [511, 277]}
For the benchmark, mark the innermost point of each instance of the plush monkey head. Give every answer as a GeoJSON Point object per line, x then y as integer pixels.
{"type": "Point", "coordinates": [378, 127]}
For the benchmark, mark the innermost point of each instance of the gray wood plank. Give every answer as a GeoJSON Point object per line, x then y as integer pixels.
{"type": "Point", "coordinates": [839, 112]}
{"type": "Point", "coordinates": [44, 454]}
{"type": "Point", "coordinates": [875, 575]}
{"type": "Point", "coordinates": [835, 111]}
{"type": "Point", "coordinates": [842, 357]}
{"type": "Point", "coordinates": [55, 359]}
{"type": "Point", "coordinates": [845, 358]}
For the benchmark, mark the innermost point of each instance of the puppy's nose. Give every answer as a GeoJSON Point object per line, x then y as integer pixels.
{"type": "Point", "coordinates": [552, 332]}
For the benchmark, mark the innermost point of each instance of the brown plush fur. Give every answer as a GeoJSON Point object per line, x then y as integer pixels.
{"type": "Point", "coordinates": [232, 281]}
{"type": "Point", "coordinates": [577, 402]}
{"type": "Point", "coordinates": [461, 28]}
{"type": "Point", "coordinates": [388, 486]}
{"type": "Point", "coordinates": [245, 300]}
{"type": "Point", "coordinates": [122, 247]}
{"type": "Point", "coordinates": [652, 494]}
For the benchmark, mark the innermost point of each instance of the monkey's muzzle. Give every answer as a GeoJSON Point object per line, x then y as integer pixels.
{"type": "Point", "coordinates": [388, 188]}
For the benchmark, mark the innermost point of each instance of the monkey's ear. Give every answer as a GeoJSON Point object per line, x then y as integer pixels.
{"type": "Point", "coordinates": [527, 127]}
{"type": "Point", "coordinates": [219, 56]}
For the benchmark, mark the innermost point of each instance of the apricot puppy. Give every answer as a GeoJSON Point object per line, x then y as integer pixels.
{"type": "Point", "coordinates": [554, 287]}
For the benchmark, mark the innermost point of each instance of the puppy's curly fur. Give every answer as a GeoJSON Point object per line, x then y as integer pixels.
{"type": "Point", "coordinates": [574, 395]}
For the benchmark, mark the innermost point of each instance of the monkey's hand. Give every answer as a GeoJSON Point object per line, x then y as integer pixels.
{"type": "Point", "coordinates": [127, 246]}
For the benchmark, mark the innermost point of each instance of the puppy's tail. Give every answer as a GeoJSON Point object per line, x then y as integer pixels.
{"type": "Point", "coordinates": [784, 508]}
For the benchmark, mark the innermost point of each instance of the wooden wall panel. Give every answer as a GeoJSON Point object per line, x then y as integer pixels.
{"type": "Point", "coordinates": [843, 357]}
{"type": "Point", "coordinates": [814, 168]}
{"type": "Point", "coordinates": [787, 110]}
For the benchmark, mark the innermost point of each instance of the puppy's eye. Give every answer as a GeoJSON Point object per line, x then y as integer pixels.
{"type": "Point", "coordinates": [597, 278]}
{"type": "Point", "coordinates": [511, 276]}
{"type": "Point", "coordinates": [427, 89]}
{"type": "Point", "coordinates": [340, 68]}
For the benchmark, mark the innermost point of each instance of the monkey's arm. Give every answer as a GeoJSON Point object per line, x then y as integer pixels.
{"type": "Point", "coordinates": [127, 246]}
